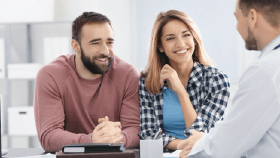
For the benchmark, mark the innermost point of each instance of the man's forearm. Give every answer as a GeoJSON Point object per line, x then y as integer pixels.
{"type": "Point", "coordinates": [56, 139]}
{"type": "Point", "coordinates": [131, 138]}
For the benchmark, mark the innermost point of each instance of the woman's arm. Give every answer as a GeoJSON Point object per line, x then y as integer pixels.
{"type": "Point", "coordinates": [175, 84]}
{"type": "Point", "coordinates": [151, 114]}
{"type": "Point", "coordinates": [213, 104]}
{"type": "Point", "coordinates": [187, 108]}
{"type": "Point", "coordinates": [172, 145]}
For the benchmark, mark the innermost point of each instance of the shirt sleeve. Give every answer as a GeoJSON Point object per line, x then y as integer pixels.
{"type": "Point", "coordinates": [129, 115]}
{"type": "Point", "coordinates": [150, 117]}
{"type": "Point", "coordinates": [49, 115]}
{"type": "Point", "coordinates": [213, 106]}
{"type": "Point", "coordinates": [255, 107]}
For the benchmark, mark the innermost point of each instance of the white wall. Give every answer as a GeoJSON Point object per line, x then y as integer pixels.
{"type": "Point", "coordinates": [14, 11]}
{"type": "Point", "coordinates": [120, 12]}
{"type": "Point", "coordinates": [215, 20]}
{"type": "Point", "coordinates": [132, 21]}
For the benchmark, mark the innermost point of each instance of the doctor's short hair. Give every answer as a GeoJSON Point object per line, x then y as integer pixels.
{"type": "Point", "coordinates": [86, 18]}
{"type": "Point", "coordinates": [270, 9]}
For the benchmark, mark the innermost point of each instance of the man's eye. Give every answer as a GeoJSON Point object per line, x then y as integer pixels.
{"type": "Point", "coordinates": [95, 43]}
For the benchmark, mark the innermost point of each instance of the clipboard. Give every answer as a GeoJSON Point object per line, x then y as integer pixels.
{"type": "Point", "coordinates": [93, 147]}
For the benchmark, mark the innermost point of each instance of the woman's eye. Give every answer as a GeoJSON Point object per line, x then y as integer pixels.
{"type": "Point", "coordinates": [185, 35]}
{"type": "Point", "coordinates": [170, 38]}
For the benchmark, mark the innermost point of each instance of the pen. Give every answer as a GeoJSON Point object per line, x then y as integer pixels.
{"type": "Point", "coordinates": [157, 134]}
{"type": "Point", "coordinates": [140, 136]}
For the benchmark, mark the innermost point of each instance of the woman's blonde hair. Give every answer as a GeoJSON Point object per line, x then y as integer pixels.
{"type": "Point", "coordinates": [157, 59]}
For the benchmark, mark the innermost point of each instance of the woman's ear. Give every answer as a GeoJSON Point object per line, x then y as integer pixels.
{"type": "Point", "coordinates": [75, 46]}
{"type": "Point", "coordinates": [160, 49]}
{"type": "Point", "coordinates": [194, 41]}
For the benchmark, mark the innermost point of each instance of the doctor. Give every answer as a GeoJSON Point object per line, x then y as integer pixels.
{"type": "Point", "coordinates": [251, 127]}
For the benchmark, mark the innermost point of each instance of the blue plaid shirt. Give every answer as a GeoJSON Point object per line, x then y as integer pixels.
{"type": "Point", "coordinates": [208, 90]}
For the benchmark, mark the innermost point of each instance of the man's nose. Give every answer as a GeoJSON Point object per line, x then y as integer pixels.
{"type": "Point", "coordinates": [105, 50]}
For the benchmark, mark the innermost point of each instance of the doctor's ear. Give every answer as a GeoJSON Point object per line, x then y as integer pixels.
{"type": "Point", "coordinates": [75, 45]}
{"type": "Point", "coordinates": [253, 18]}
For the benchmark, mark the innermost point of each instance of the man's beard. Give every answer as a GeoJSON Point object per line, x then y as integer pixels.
{"type": "Point", "coordinates": [92, 66]}
{"type": "Point", "coordinates": [251, 42]}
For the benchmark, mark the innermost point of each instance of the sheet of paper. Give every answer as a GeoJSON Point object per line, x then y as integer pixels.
{"type": "Point", "coordinates": [48, 155]}
{"type": "Point", "coordinates": [174, 154]}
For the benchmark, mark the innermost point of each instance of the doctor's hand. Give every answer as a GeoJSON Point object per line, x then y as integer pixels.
{"type": "Point", "coordinates": [169, 74]}
{"type": "Point", "coordinates": [187, 144]}
{"type": "Point", "coordinates": [107, 132]}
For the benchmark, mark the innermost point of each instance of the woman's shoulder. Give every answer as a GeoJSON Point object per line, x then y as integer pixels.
{"type": "Point", "coordinates": [143, 92]}
{"type": "Point", "coordinates": [142, 84]}
{"type": "Point", "coordinates": [142, 80]}
{"type": "Point", "coordinates": [214, 73]}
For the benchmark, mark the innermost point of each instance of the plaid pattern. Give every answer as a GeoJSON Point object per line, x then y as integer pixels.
{"type": "Point", "coordinates": [208, 90]}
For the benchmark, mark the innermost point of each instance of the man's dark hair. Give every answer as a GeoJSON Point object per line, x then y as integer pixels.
{"type": "Point", "coordinates": [270, 9]}
{"type": "Point", "coordinates": [86, 18]}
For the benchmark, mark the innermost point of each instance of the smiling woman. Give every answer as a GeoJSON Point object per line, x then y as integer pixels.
{"type": "Point", "coordinates": [179, 90]}
{"type": "Point", "coordinates": [177, 42]}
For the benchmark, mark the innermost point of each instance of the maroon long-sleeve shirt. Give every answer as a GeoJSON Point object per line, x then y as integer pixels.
{"type": "Point", "coordinates": [67, 106]}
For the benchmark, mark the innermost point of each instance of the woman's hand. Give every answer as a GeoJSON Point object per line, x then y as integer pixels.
{"type": "Point", "coordinates": [169, 74]}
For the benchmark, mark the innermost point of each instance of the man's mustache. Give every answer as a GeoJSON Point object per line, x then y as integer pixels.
{"type": "Point", "coordinates": [103, 56]}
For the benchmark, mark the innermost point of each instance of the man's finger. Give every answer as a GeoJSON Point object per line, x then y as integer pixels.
{"type": "Point", "coordinates": [101, 125]}
{"type": "Point", "coordinates": [118, 139]}
{"type": "Point", "coordinates": [108, 127]}
{"type": "Point", "coordinates": [100, 120]}
{"type": "Point", "coordinates": [117, 124]}
{"type": "Point", "coordinates": [111, 132]}
{"type": "Point", "coordinates": [106, 118]}
{"type": "Point", "coordinates": [105, 140]}
{"type": "Point", "coordinates": [109, 139]}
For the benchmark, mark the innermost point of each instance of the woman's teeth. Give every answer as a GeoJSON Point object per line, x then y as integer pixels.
{"type": "Point", "coordinates": [181, 51]}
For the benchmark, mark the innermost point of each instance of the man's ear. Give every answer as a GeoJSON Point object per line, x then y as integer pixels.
{"type": "Point", "coordinates": [253, 18]}
{"type": "Point", "coordinates": [75, 46]}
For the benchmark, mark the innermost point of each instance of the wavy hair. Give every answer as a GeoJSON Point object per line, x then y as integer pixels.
{"type": "Point", "coordinates": [157, 60]}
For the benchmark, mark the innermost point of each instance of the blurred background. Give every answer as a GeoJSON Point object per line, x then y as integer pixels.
{"type": "Point", "coordinates": [34, 32]}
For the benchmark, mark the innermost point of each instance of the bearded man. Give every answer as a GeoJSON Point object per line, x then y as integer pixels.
{"type": "Point", "coordinates": [75, 90]}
